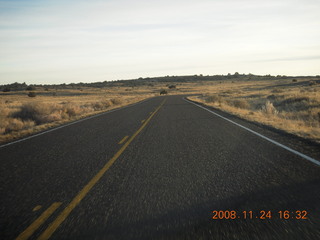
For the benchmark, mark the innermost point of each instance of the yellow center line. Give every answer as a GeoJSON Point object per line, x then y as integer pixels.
{"type": "Point", "coordinates": [123, 140]}
{"type": "Point", "coordinates": [77, 199]}
{"type": "Point", "coordinates": [38, 222]}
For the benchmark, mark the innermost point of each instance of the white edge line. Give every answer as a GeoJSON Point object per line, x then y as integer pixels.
{"type": "Point", "coordinates": [260, 135]}
{"type": "Point", "coordinates": [71, 123]}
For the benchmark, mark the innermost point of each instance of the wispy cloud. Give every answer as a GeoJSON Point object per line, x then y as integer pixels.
{"type": "Point", "coordinates": [300, 58]}
{"type": "Point", "coordinates": [105, 40]}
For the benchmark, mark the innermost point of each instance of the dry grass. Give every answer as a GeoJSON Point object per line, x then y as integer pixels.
{"type": "Point", "coordinates": [21, 115]}
{"type": "Point", "coordinates": [292, 106]}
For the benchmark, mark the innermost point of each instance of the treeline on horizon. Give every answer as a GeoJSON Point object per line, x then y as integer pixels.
{"type": "Point", "coordinates": [144, 81]}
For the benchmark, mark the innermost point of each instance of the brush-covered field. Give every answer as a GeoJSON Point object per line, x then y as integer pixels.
{"type": "Point", "coordinates": [21, 115]}
{"type": "Point", "coordinates": [292, 104]}
{"type": "Point", "coordinates": [289, 104]}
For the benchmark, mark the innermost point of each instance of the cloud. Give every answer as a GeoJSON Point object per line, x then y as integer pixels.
{"type": "Point", "coordinates": [301, 58]}
{"type": "Point", "coordinates": [114, 38]}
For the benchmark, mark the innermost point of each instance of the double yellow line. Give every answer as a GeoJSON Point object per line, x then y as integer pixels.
{"type": "Point", "coordinates": [78, 198]}
{"type": "Point", "coordinates": [38, 222]}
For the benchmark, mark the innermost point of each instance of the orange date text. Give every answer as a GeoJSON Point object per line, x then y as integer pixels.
{"type": "Point", "coordinates": [262, 214]}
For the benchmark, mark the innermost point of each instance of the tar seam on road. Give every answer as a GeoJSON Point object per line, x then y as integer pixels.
{"type": "Point", "coordinates": [260, 135]}
{"type": "Point", "coordinates": [77, 199]}
{"type": "Point", "coordinates": [71, 123]}
{"type": "Point", "coordinates": [36, 208]}
{"type": "Point", "coordinates": [38, 222]}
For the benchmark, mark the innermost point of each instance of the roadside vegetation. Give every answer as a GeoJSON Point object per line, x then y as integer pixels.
{"type": "Point", "coordinates": [291, 104]}
{"type": "Point", "coordinates": [23, 114]}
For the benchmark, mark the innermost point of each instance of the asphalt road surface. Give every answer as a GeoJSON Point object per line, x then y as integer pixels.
{"type": "Point", "coordinates": [161, 169]}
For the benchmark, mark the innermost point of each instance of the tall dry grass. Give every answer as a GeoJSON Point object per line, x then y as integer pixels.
{"type": "Point", "coordinates": [21, 115]}
{"type": "Point", "coordinates": [292, 106]}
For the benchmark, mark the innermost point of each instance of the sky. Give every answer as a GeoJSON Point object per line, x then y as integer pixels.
{"type": "Point", "coordinates": [71, 41]}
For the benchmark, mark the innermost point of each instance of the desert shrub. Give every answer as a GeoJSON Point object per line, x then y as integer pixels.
{"type": "Point", "coordinates": [295, 104]}
{"type": "Point", "coordinates": [27, 112]}
{"type": "Point", "coordinates": [4, 111]}
{"type": "Point", "coordinates": [213, 99]}
{"type": "Point", "coordinates": [294, 80]}
{"type": "Point", "coordinates": [268, 108]}
{"type": "Point", "coordinates": [163, 92]}
{"type": "Point", "coordinates": [106, 104]}
{"type": "Point", "coordinates": [314, 118]}
{"type": "Point", "coordinates": [311, 83]}
{"type": "Point", "coordinates": [39, 113]}
{"type": "Point", "coordinates": [272, 97]}
{"type": "Point", "coordinates": [171, 86]}
{"type": "Point", "coordinates": [55, 116]}
{"type": "Point", "coordinates": [97, 106]}
{"type": "Point", "coordinates": [242, 103]}
{"type": "Point", "coordinates": [13, 124]}
{"type": "Point", "coordinates": [73, 110]}
{"type": "Point", "coordinates": [3, 118]}
{"type": "Point", "coordinates": [32, 94]}
{"type": "Point", "coordinates": [116, 101]}
{"type": "Point", "coordinates": [17, 124]}
{"type": "Point", "coordinates": [277, 91]}
{"type": "Point", "coordinates": [294, 100]}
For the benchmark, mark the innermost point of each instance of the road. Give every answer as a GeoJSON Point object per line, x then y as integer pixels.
{"type": "Point", "coordinates": [158, 170]}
